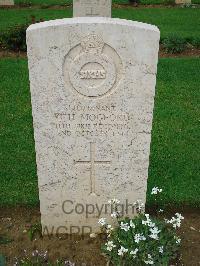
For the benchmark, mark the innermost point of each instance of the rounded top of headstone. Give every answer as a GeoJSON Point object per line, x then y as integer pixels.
{"type": "Point", "coordinates": [93, 20]}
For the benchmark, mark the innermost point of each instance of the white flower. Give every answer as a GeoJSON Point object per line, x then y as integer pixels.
{"type": "Point", "coordinates": [134, 252]}
{"type": "Point", "coordinates": [115, 214]}
{"type": "Point", "coordinates": [122, 250]}
{"type": "Point", "coordinates": [179, 216]}
{"type": "Point", "coordinates": [139, 206]}
{"type": "Point", "coordinates": [154, 236]}
{"type": "Point", "coordinates": [148, 221]}
{"type": "Point", "coordinates": [170, 221]}
{"type": "Point", "coordinates": [124, 226]}
{"type": "Point", "coordinates": [143, 238]}
{"type": "Point", "coordinates": [110, 245]}
{"type": "Point", "coordinates": [149, 261]}
{"type": "Point", "coordinates": [176, 222]}
{"type": "Point", "coordinates": [154, 230]}
{"type": "Point", "coordinates": [178, 240]}
{"type": "Point", "coordinates": [109, 229]}
{"type": "Point", "coordinates": [114, 201]}
{"type": "Point", "coordinates": [160, 249]}
{"type": "Point", "coordinates": [102, 221]}
{"type": "Point", "coordinates": [161, 210]}
{"type": "Point", "coordinates": [150, 224]}
{"type": "Point", "coordinates": [156, 190]}
{"type": "Point", "coordinates": [154, 233]}
{"type": "Point", "coordinates": [132, 225]}
{"type": "Point", "coordinates": [139, 237]}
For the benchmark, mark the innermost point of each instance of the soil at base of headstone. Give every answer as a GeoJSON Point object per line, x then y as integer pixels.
{"type": "Point", "coordinates": [15, 222]}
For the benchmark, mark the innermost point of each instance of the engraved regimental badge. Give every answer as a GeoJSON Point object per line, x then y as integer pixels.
{"type": "Point", "coordinates": [92, 68]}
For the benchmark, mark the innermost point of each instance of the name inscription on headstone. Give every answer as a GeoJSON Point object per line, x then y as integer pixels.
{"type": "Point", "coordinates": [102, 120]}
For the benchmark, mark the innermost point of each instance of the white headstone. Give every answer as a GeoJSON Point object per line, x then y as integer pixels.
{"type": "Point", "coordinates": [178, 2]}
{"type": "Point", "coordinates": [6, 2]}
{"type": "Point", "coordinates": [92, 8]}
{"type": "Point", "coordinates": [92, 87]}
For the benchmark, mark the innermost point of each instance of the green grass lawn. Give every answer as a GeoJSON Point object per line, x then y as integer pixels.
{"type": "Point", "coordinates": [175, 145]}
{"type": "Point", "coordinates": [168, 20]}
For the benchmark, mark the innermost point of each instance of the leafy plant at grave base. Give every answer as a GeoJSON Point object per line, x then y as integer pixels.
{"type": "Point", "coordinates": [133, 1]}
{"type": "Point", "coordinates": [143, 240]}
{"type": "Point", "coordinates": [24, 3]}
{"type": "Point", "coordinates": [14, 39]}
{"type": "Point", "coordinates": [187, 5]}
{"type": "Point", "coordinates": [174, 44]}
{"type": "Point", "coordinates": [35, 229]}
{"type": "Point", "coordinates": [195, 42]}
{"type": "Point", "coordinates": [169, 2]}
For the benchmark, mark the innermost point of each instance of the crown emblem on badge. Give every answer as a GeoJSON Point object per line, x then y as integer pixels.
{"type": "Point", "coordinates": [92, 44]}
{"type": "Point", "coordinates": [92, 67]}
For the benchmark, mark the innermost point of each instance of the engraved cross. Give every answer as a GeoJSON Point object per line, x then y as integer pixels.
{"type": "Point", "coordinates": [92, 162]}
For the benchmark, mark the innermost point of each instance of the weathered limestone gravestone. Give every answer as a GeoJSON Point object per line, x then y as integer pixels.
{"type": "Point", "coordinates": [6, 2]}
{"type": "Point", "coordinates": [183, 2]}
{"type": "Point", "coordinates": [92, 8]}
{"type": "Point", "coordinates": [92, 87]}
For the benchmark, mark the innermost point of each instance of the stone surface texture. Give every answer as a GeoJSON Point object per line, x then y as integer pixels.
{"type": "Point", "coordinates": [6, 2]}
{"type": "Point", "coordinates": [92, 87]}
{"type": "Point", "coordinates": [92, 8]}
{"type": "Point", "coordinates": [183, 2]}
